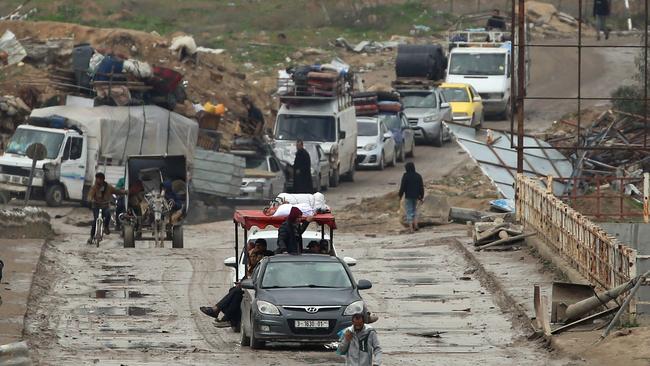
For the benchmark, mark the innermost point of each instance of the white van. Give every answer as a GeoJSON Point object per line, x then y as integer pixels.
{"type": "Point", "coordinates": [330, 122]}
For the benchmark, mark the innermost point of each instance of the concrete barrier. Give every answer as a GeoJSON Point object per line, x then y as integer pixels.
{"type": "Point", "coordinates": [15, 354]}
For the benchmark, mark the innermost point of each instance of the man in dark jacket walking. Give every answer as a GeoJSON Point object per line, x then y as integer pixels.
{"type": "Point", "coordinates": [602, 9]}
{"type": "Point", "coordinates": [302, 170]}
{"type": "Point", "coordinates": [412, 188]}
{"type": "Point", "coordinates": [290, 233]}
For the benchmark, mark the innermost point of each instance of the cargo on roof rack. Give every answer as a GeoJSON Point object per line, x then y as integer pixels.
{"type": "Point", "coordinates": [415, 83]}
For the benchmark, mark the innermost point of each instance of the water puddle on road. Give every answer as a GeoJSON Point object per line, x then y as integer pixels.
{"type": "Point", "coordinates": [116, 311]}
{"type": "Point", "coordinates": [417, 281]}
{"type": "Point", "coordinates": [117, 294]}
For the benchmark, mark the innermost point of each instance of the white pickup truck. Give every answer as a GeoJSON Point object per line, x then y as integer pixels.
{"type": "Point", "coordinates": [81, 141]}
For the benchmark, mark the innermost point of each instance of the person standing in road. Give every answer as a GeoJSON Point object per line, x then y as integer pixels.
{"type": "Point", "coordinates": [602, 9]}
{"type": "Point", "coordinates": [360, 344]}
{"type": "Point", "coordinates": [290, 233]}
{"type": "Point", "coordinates": [412, 188]}
{"type": "Point", "coordinates": [302, 170]}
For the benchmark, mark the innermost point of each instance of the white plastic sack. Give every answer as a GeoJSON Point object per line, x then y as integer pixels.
{"type": "Point", "coordinates": [284, 210]}
{"type": "Point", "coordinates": [139, 69]}
{"type": "Point", "coordinates": [95, 60]}
{"type": "Point", "coordinates": [295, 199]}
{"type": "Point", "coordinates": [186, 42]}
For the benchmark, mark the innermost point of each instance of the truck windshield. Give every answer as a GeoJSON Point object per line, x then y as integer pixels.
{"type": "Point", "coordinates": [392, 121]}
{"type": "Point", "coordinates": [419, 100]}
{"type": "Point", "coordinates": [477, 64]}
{"type": "Point", "coordinates": [367, 129]}
{"type": "Point", "coordinates": [23, 137]}
{"type": "Point", "coordinates": [305, 274]}
{"type": "Point", "coordinates": [308, 128]}
{"type": "Point", "coordinates": [455, 94]}
{"type": "Point", "coordinates": [256, 162]}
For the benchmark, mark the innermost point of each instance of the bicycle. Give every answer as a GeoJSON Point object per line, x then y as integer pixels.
{"type": "Point", "coordinates": [99, 228]}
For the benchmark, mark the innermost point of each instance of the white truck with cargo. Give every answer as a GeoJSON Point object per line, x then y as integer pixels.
{"type": "Point", "coordinates": [485, 60]}
{"type": "Point", "coordinates": [316, 106]}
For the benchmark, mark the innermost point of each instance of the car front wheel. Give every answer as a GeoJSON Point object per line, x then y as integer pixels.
{"type": "Point", "coordinates": [255, 343]}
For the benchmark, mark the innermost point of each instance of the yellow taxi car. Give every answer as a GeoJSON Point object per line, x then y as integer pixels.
{"type": "Point", "coordinates": [466, 104]}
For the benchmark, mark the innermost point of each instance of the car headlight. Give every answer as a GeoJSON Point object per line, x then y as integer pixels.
{"type": "Point", "coordinates": [354, 308]}
{"type": "Point", "coordinates": [370, 147]}
{"type": "Point", "coordinates": [267, 308]}
{"type": "Point", "coordinates": [429, 119]}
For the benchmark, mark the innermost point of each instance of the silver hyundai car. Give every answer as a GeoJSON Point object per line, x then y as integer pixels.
{"type": "Point", "coordinates": [305, 298]}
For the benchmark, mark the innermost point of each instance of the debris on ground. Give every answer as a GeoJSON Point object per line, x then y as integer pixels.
{"type": "Point", "coordinates": [28, 222]}
{"type": "Point", "coordinates": [13, 111]}
{"type": "Point", "coordinates": [367, 46]}
{"type": "Point", "coordinates": [544, 18]}
{"type": "Point", "coordinates": [11, 49]}
{"type": "Point", "coordinates": [497, 235]}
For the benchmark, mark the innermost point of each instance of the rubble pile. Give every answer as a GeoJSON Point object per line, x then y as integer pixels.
{"type": "Point", "coordinates": [28, 222]}
{"type": "Point", "coordinates": [12, 113]}
{"type": "Point", "coordinates": [126, 67]}
{"type": "Point", "coordinates": [547, 20]}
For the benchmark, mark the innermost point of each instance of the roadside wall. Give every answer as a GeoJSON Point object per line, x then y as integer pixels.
{"type": "Point", "coordinates": [638, 236]}
{"type": "Point", "coordinates": [597, 255]}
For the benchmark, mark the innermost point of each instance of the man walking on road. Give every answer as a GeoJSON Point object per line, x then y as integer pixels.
{"type": "Point", "coordinates": [602, 9]}
{"type": "Point", "coordinates": [302, 170]}
{"type": "Point", "coordinates": [360, 344]}
{"type": "Point", "coordinates": [412, 188]}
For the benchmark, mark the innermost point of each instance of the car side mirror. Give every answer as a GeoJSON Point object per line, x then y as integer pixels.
{"type": "Point", "coordinates": [351, 262]}
{"type": "Point", "coordinates": [230, 262]}
{"type": "Point", "coordinates": [387, 135]}
{"type": "Point", "coordinates": [444, 105]}
{"type": "Point", "coordinates": [342, 135]}
{"type": "Point", "coordinates": [364, 285]}
{"type": "Point", "coordinates": [247, 284]}
{"type": "Point", "coordinates": [477, 99]}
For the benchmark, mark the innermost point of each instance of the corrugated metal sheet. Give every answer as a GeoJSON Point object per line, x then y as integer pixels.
{"type": "Point", "coordinates": [217, 173]}
{"type": "Point", "coordinates": [14, 49]}
{"type": "Point", "coordinates": [498, 160]}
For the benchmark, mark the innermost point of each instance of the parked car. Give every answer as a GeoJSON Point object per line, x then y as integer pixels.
{"type": "Point", "coordinates": [264, 176]}
{"type": "Point", "coordinates": [403, 134]}
{"type": "Point", "coordinates": [426, 110]}
{"type": "Point", "coordinates": [304, 298]}
{"type": "Point", "coordinates": [375, 144]}
{"type": "Point", "coordinates": [466, 103]}
{"type": "Point", "coordinates": [320, 164]}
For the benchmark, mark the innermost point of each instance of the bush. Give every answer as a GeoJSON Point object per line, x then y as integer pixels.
{"type": "Point", "coordinates": [629, 106]}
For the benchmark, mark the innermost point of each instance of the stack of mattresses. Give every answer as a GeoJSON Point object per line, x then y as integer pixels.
{"type": "Point", "coordinates": [372, 103]}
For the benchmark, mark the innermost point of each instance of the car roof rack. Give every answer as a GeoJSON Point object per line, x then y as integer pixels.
{"type": "Point", "coordinates": [415, 84]}
{"type": "Point", "coordinates": [293, 94]}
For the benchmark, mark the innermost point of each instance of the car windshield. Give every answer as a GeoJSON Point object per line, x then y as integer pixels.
{"type": "Point", "coordinates": [367, 129]}
{"type": "Point", "coordinates": [257, 162]}
{"type": "Point", "coordinates": [391, 121]}
{"type": "Point", "coordinates": [308, 128]}
{"type": "Point", "coordinates": [419, 100]}
{"type": "Point", "coordinates": [455, 94]}
{"type": "Point", "coordinates": [23, 138]}
{"type": "Point", "coordinates": [305, 274]}
{"type": "Point", "coordinates": [477, 64]}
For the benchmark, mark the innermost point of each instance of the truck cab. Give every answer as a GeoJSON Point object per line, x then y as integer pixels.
{"type": "Point", "coordinates": [59, 176]}
{"type": "Point", "coordinates": [487, 69]}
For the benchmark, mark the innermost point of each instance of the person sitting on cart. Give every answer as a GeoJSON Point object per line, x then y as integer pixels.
{"type": "Point", "coordinates": [314, 247]}
{"type": "Point", "coordinates": [100, 196]}
{"type": "Point", "coordinates": [230, 304]}
{"type": "Point", "coordinates": [290, 232]}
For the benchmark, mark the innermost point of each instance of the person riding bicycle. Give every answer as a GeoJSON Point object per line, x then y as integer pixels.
{"type": "Point", "coordinates": [100, 196]}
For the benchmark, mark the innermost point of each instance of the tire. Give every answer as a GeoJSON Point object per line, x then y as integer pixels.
{"type": "Point", "coordinates": [437, 142]}
{"type": "Point", "coordinates": [54, 195]}
{"type": "Point", "coordinates": [255, 344]}
{"type": "Point", "coordinates": [382, 164]}
{"type": "Point", "coordinates": [334, 178]}
{"type": "Point", "coordinates": [412, 152]}
{"type": "Point", "coordinates": [318, 187]}
{"type": "Point", "coordinates": [393, 161]}
{"type": "Point", "coordinates": [129, 236]}
{"type": "Point", "coordinates": [349, 176]}
{"type": "Point", "coordinates": [402, 155]}
{"type": "Point", "coordinates": [177, 236]}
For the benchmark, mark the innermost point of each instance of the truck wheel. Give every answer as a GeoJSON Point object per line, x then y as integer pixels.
{"type": "Point", "coordinates": [349, 176]}
{"type": "Point", "coordinates": [255, 344]}
{"type": "Point", "coordinates": [129, 236]}
{"type": "Point", "coordinates": [334, 178]}
{"type": "Point", "coordinates": [177, 236]}
{"type": "Point", "coordinates": [54, 195]}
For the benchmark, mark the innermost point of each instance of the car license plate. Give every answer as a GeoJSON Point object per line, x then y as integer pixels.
{"type": "Point", "coordinates": [312, 324]}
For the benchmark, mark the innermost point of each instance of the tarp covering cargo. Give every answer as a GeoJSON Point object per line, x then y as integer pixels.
{"type": "Point", "coordinates": [117, 132]}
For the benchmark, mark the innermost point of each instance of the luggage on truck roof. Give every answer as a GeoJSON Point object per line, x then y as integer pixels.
{"type": "Point", "coordinates": [421, 61]}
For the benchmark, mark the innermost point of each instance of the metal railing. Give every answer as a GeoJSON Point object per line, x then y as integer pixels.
{"type": "Point", "coordinates": [598, 256]}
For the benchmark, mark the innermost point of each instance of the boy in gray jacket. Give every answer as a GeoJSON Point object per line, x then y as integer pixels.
{"type": "Point", "coordinates": [360, 344]}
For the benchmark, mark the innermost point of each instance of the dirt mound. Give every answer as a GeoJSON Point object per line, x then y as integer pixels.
{"type": "Point", "coordinates": [213, 78]}
{"type": "Point", "coordinates": [22, 223]}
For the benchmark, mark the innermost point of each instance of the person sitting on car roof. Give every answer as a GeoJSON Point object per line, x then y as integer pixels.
{"type": "Point", "coordinates": [290, 232]}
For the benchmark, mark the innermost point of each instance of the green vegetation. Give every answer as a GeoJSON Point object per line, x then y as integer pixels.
{"type": "Point", "coordinates": [70, 13]}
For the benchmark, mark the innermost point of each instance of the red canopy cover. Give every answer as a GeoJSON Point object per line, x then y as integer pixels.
{"type": "Point", "coordinates": [257, 218]}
